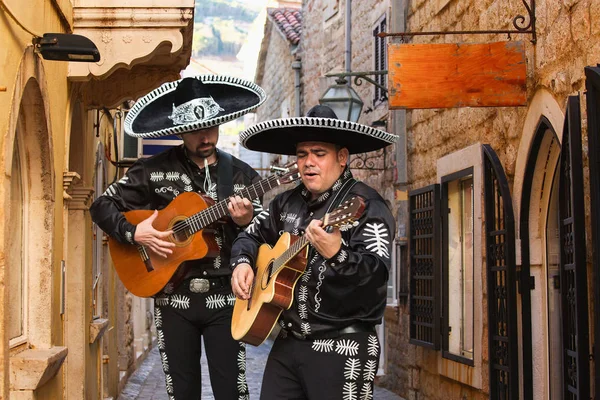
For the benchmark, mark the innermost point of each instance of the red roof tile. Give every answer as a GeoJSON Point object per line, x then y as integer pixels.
{"type": "Point", "coordinates": [288, 21]}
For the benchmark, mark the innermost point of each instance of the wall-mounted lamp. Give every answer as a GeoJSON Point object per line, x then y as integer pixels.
{"type": "Point", "coordinates": [344, 100]}
{"type": "Point", "coordinates": [66, 47]}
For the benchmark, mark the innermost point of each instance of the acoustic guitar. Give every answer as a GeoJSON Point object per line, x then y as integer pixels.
{"type": "Point", "coordinates": [277, 271]}
{"type": "Point", "coordinates": [145, 273]}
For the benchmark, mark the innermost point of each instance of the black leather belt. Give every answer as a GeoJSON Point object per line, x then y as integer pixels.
{"type": "Point", "coordinates": [354, 328]}
{"type": "Point", "coordinates": [203, 285]}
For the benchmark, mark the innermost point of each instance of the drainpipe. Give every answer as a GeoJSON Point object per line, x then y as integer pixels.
{"type": "Point", "coordinates": [349, 38]}
{"type": "Point", "coordinates": [297, 67]}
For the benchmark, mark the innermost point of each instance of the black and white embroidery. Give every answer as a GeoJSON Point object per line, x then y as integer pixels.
{"type": "Point", "coordinates": [376, 234]}
{"type": "Point", "coordinates": [212, 191]}
{"type": "Point", "coordinates": [169, 383]}
{"type": "Point", "coordinates": [241, 358]}
{"type": "Point", "coordinates": [314, 259]}
{"type": "Point", "coordinates": [373, 346]}
{"type": "Point", "coordinates": [157, 176]}
{"type": "Point", "coordinates": [216, 301]}
{"type": "Point", "coordinates": [350, 392]}
{"type": "Point", "coordinates": [305, 328]}
{"type": "Point", "coordinates": [157, 317]}
{"type": "Point", "coordinates": [165, 361]}
{"type": "Point", "coordinates": [160, 336]}
{"type": "Point", "coordinates": [242, 386]}
{"type": "Point", "coordinates": [129, 237]}
{"type": "Point", "coordinates": [366, 392]}
{"type": "Point", "coordinates": [186, 179]}
{"type": "Point", "coordinates": [343, 256]}
{"type": "Point", "coordinates": [188, 188]}
{"type": "Point", "coordinates": [217, 262]}
{"type": "Point", "coordinates": [323, 197]}
{"type": "Point", "coordinates": [303, 311]}
{"type": "Point", "coordinates": [370, 370]}
{"type": "Point", "coordinates": [256, 221]}
{"type": "Point", "coordinates": [323, 346]}
{"type": "Point", "coordinates": [352, 369]}
{"type": "Point", "coordinates": [180, 301]}
{"type": "Point", "coordinates": [288, 217]}
{"type": "Point", "coordinates": [231, 299]}
{"type": "Point", "coordinates": [336, 186]}
{"type": "Point", "coordinates": [258, 207]}
{"type": "Point", "coordinates": [123, 180]}
{"type": "Point", "coordinates": [162, 301]}
{"type": "Point", "coordinates": [172, 176]}
{"type": "Point", "coordinates": [166, 189]}
{"type": "Point", "coordinates": [346, 347]}
{"type": "Point", "coordinates": [197, 110]}
{"type": "Point", "coordinates": [303, 293]}
{"type": "Point", "coordinates": [306, 275]}
{"type": "Point", "coordinates": [347, 226]}
{"type": "Point", "coordinates": [317, 297]}
{"type": "Point", "coordinates": [243, 260]}
{"type": "Point", "coordinates": [110, 191]}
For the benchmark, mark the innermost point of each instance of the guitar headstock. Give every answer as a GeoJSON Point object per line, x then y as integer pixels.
{"type": "Point", "coordinates": [288, 173]}
{"type": "Point", "coordinates": [346, 213]}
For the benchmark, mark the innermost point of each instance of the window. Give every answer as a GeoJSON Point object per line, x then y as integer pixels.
{"type": "Point", "coordinates": [457, 259]}
{"type": "Point", "coordinates": [380, 59]}
{"type": "Point", "coordinates": [16, 258]}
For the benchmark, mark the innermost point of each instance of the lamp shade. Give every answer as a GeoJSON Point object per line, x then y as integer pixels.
{"type": "Point", "coordinates": [343, 100]}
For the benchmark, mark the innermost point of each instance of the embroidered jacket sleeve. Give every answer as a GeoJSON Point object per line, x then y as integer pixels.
{"type": "Point", "coordinates": [129, 193]}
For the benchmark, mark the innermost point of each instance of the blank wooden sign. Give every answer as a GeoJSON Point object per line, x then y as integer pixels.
{"type": "Point", "coordinates": [457, 75]}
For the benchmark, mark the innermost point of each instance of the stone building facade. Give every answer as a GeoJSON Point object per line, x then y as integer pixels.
{"type": "Point", "coordinates": [68, 329]}
{"type": "Point", "coordinates": [520, 325]}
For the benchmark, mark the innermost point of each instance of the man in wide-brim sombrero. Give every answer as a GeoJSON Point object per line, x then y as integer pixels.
{"type": "Point", "coordinates": [328, 333]}
{"type": "Point", "coordinates": [197, 304]}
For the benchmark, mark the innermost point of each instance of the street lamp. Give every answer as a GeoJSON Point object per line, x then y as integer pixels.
{"type": "Point", "coordinates": [343, 100]}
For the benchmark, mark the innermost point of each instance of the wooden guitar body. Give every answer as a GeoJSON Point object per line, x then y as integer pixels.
{"type": "Point", "coordinates": [143, 272]}
{"type": "Point", "coordinates": [254, 319]}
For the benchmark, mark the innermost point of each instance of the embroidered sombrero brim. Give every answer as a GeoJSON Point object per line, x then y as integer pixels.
{"type": "Point", "coordinates": [162, 111]}
{"type": "Point", "coordinates": [280, 136]}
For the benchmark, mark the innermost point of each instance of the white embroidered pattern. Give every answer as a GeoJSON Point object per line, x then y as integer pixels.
{"type": "Point", "coordinates": [305, 328]}
{"type": "Point", "coordinates": [165, 361]}
{"type": "Point", "coordinates": [188, 188]}
{"type": "Point", "coordinates": [346, 347]}
{"type": "Point", "coordinates": [231, 299]}
{"type": "Point", "coordinates": [350, 391]}
{"type": "Point", "coordinates": [347, 226]}
{"type": "Point", "coordinates": [323, 197]}
{"type": "Point", "coordinates": [243, 260]}
{"type": "Point", "coordinates": [369, 370]}
{"type": "Point", "coordinates": [343, 256]}
{"type": "Point", "coordinates": [157, 317]}
{"type": "Point", "coordinates": [110, 191]}
{"type": "Point", "coordinates": [160, 336]}
{"type": "Point", "coordinates": [241, 358]}
{"type": "Point", "coordinates": [373, 346]}
{"type": "Point", "coordinates": [217, 262]}
{"type": "Point", "coordinates": [172, 176]}
{"type": "Point", "coordinates": [212, 191]}
{"type": "Point", "coordinates": [256, 221]}
{"type": "Point", "coordinates": [336, 186]}
{"type": "Point", "coordinates": [242, 386]}
{"type": "Point", "coordinates": [185, 179]}
{"type": "Point", "coordinates": [317, 297]}
{"type": "Point", "coordinates": [237, 187]}
{"type": "Point", "coordinates": [157, 176]}
{"type": "Point", "coordinates": [306, 275]}
{"type": "Point", "coordinates": [303, 293]}
{"type": "Point", "coordinates": [366, 393]}
{"type": "Point", "coordinates": [162, 301]}
{"type": "Point", "coordinates": [324, 346]}
{"type": "Point", "coordinates": [352, 369]}
{"type": "Point", "coordinates": [288, 217]}
{"type": "Point", "coordinates": [257, 205]}
{"type": "Point", "coordinates": [180, 301]}
{"type": "Point", "coordinates": [123, 180]}
{"type": "Point", "coordinates": [377, 244]}
{"type": "Point", "coordinates": [169, 383]}
{"type": "Point", "coordinates": [303, 311]}
{"type": "Point", "coordinates": [216, 301]}
{"type": "Point", "coordinates": [166, 189]}
{"type": "Point", "coordinates": [314, 259]}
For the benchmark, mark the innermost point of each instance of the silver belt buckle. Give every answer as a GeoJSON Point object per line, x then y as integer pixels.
{"type": "Point", "coordinates": [199, 285]}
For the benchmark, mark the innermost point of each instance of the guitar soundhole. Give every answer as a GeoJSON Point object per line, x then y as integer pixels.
{"type": "Point", "coordinates": [266, 278]}
{"type": "Point", "coordinates": [180, 232]}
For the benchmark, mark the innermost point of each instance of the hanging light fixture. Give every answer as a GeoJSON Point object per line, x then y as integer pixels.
{"type": "Point", "coordinates": [343, 100]}
{"type": "Point", "coordinates": [66, 47]}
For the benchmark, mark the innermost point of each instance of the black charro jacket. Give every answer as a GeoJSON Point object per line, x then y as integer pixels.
{"type": "Point", "coordinates": [348, 288]}
{"type": "Point", "coordinates": [152, 183]}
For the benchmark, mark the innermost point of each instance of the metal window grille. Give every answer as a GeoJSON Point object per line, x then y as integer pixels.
{"type": "Point", "coordinates": [380, 59]}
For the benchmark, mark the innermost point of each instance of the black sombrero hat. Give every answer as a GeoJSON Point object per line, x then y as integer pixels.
{"type": "Point", "coordinates": [191, 104]}
{"type": "Point", "coordinates": [280, 136]}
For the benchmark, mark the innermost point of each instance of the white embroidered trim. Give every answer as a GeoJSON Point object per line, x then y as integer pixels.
{"type": "Point", "coordinates": [377, 244]}
{"type": "Point", "coordinates": [346, 347]}
{"type": "Point", "coordinates": [197, 110]}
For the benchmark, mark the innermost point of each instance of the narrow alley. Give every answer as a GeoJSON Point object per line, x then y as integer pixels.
{"type": "Point", "coordinates": [148, 382]}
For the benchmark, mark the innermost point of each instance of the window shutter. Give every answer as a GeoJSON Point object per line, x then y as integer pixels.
{"type": "Point", "coordinates": [424, 247]}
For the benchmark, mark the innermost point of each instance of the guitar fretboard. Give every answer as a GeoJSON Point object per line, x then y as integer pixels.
{"type": "Point", "coordinates": [202, 219]}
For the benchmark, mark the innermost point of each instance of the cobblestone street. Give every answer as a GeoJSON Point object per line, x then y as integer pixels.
{"type": "Point", "coordinates": [148, 382]}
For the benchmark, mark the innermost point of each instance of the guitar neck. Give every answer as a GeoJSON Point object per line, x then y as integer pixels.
{"type": "Point", "coordinates": [202, 219]}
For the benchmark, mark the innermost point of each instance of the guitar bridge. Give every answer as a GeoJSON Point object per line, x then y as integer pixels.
{"type": "Point", "coordinates": [145, 258]}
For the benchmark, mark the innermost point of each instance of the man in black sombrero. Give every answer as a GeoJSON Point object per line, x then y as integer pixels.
{"type": "Point", "coordinates": [200, 304]}
{"type": "Point", "coordinates": [327, 348]}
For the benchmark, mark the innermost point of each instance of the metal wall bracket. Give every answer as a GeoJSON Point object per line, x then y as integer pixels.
{"type": "Point", "coordinates": [358, 77]}
{"type": "Point", "coordinates": [518, 23]}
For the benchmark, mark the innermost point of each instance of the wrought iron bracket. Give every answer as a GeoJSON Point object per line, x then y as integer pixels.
{"type": "Point", "coordinates": [518, 23]}
{"type": "Point", "coordinates": [358, 77]}
{"type": "Point", "coordinates": [366, 161]}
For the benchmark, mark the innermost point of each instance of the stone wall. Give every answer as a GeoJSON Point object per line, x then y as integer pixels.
{"type": "Point", "coordinates": [568, 34]}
